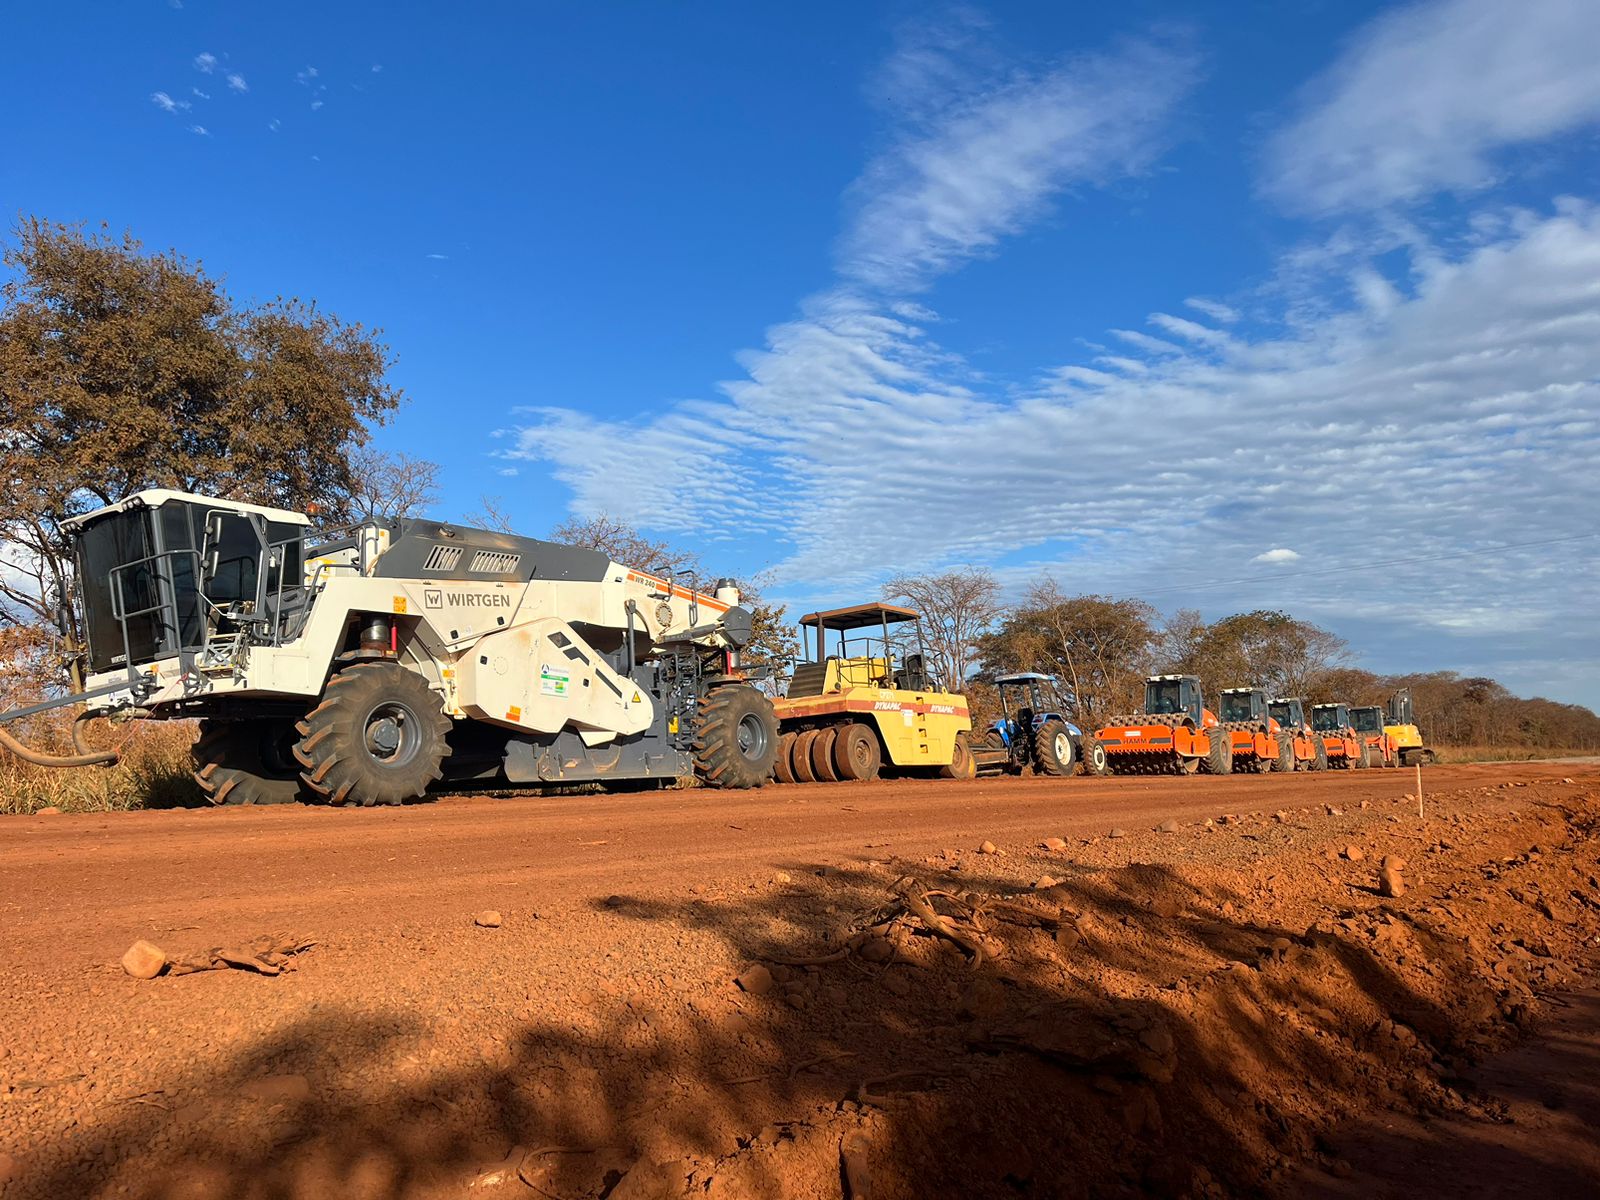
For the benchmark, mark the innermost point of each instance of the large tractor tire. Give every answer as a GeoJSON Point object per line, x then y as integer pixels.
{"type": "Point", "coordinates": [1093, 756]}
{"type": "Point", "coordinates": [783, 761]}
{"type": "Point", "coordinates": [857, 756]}
{"type": "Point", "coordinates": [1053, 749]}
{"type": "Point", "coordinates": [378, 737]}
{"type": "Point", "coordinates": [736, 738]}
{"type": "Point", "coordinates": [248, 762]}
{"type": "Point", "coordinates": [1219, 759]}
{"type": "Point", "coordinates": [822, 755]}
{"type": "Point", "coordinates": [804, 772]}
{"type": "Point", "coordinates": [1363, 758]}
{"type": "Point", "coordinates": [1319, 760]}
{"type": "Point", "coordinates": [1285, 760]}
{"type": "Point", "coordinates": [962, 764]}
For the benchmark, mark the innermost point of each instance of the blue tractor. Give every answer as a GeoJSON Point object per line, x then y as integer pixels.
{"type": "Point", "coordinates": [1032, 730]}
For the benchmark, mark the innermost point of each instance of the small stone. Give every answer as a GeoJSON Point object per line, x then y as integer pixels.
{"type": "Point", "coordinates": [1044, 881]}
{"type": "Point", "coordinates": [1067, 938]}
{"type": "Point", "coordinates": [757, 981]}
{"type": "Point", "coordinates": [1410, 796]}
{"type": "Point", "coordinates": [1280, 816]}
{"type": "Point", "coordinates": [1566, 780]}
{"type": "Point", "coordinates": [1332, 811]}
{"type": "Point", "coordinates": [1391, 882]}
{"type": "Point", "coordinates": [1165, 906]}
{"type": "Point", "coordinates": [987, 848]}
{"type": "Point", "coordinates": [48, 811]}
{"type": "Point", "coordinates": [1168, 826]}
{"type": "Point", "coordinates": [1117, 833]}
{"type": "Point", "coordinates": [144, 960]}
{"type": "Point", "coordinates": [877, 950]}
{"type": "Point", "coordinates": [1354, 853]}
{"type": "Point", "coordinates": [614, 902]}
{"type": "Point", "coordinates": [1226, 819]}
{"type": "Point", "coordinates": [1393, 862]}
{"type": "Point", "coordinates": [1366, 804]}
{"type": "Point", "coordinates": [1227, 908]}
{"type": "Point", "coordinates": [1280, 947]}
{"type": "Point", "coordinates": [1053, 843]}
{"type": "Point", "coordinates": [781, 877]}
{"type": "Point", "coordinates": [488, 918]}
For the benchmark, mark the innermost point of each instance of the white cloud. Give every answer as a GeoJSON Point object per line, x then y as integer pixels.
{"type": "Point", "coordinates": [440, 256]}
{"type": "Point", "coordinates": [200, 130]}
{"type": "Point", "coordinates": [197, 92]}
{"type": "Point", "coordinates": [237, 83]}
{"type": "Point", "coordinates": [1280, 555]}
{"type": "Point", "coordinates": [1426, 94]}
{"type": "Point", "coordinates": [1218, 312]}
{"type": "Point", "coordinates": [995, 156]}
{"type": "Point", "coordinates": [377, 68]}
{"type": "Point", "coordinates": [274, 124]}
{"type": "Point", "coordinates": [166, 103]}
{"type": "Point", "coordinates": [316, 104]}
{"type": "Point", "coordinates": [205, 62]}
{"type": "Point", "coordinates": [305, 75]}
{"type": "Point", "coordinates": [1189, 330]}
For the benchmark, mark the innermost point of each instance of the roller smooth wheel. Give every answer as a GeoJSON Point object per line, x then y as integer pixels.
{"type": "Point", "coordinates": [735, 737]}
{"type": "Point", "coordinates": [1094, 757]}
{"type": "Point", "coordinates": [804, 772]}
{"type": "Point", "coordinates": [857, 755]}
{"type": "Point", "coordinates": [248, 762]}
{"type": "Point", "coordinates": [1363, 758]}
{"type": "Point", "coordinates": [962, 764]}
{"type": "Point", "coordinates": [378, 737]}
{"type": "Point", "coordinates": [1053, 749]}
{"type": "Point", "coordinates": [783, 761]}
{"type": "Point", "coordinates": [822, 755]}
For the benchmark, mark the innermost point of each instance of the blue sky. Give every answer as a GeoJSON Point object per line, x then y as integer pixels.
{"type": "Point", "coordinates": [1222, 304]}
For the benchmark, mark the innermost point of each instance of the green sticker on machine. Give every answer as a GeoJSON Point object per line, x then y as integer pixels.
{"type": "Point", "coordinates": [553, 681]}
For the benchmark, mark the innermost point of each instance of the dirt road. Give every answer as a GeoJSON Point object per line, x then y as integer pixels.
{"type": "Point", "coordinates": [413, 1050]}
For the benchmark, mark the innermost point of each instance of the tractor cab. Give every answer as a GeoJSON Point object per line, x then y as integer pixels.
{"type": "Point", "coordinates": [1401, 710]}
{"type": "Point", "coordinates": [1247, 705]}
{"type": "Point", "coordinates": [866, 645]}
{"type": "Point", "coordinates": [1027, 700]}
{"type": "Point", "coordinates": [1367, 719]}
{"type": "Point", "coordinates": [1175, 695]}
{"type": "Point", "coordinates": [1289, 712]}
{"type": "Point", "coordinates": [1330, 718]}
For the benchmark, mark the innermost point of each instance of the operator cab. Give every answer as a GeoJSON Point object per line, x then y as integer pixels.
{"type": "Point", "coordinates": [1368, 719]}
{"type": "Point", "coordinates": [1172, 695]}
{"type": "Point", "coordinates": [874, 645]}
{"type": "Point", "coordinates": [1243, 704]}
{"type": "Point", "coordinates": [1037, 698]}
{"type": "Point", "coordinates": [162, 571]}
{"type": "Point", "coordinates": [1288, 711]}
{"type": "Point", "coordinates": [1401, 710]}
{"type": "Point", "coordinates": [1330, 718]}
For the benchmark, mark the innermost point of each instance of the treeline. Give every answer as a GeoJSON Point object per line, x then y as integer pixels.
{"type": "Point", "coordinates": [1101, 648]}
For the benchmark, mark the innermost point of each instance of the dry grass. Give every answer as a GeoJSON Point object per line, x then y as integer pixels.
{"type": "Point", "coordinates": [154, 771]}
{"type": "Point", "coordinates": [1471, 754]}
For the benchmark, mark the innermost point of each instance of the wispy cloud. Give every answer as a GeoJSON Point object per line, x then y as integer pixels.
{"type": "Point", "coordinates": [206, 62]}
{"type": "Point", "coordinates": [194, 91]}
{"type": "Point", "coordinates": [237, 83]}
{"type": "Point", "coordinates": [1280, 555]}
{"type": "Point", "coordinates": [201, 130]}
{"type": "Point", "coordinates": [306, 76]}
{"type": "Point", "coordinates": [274, 125]}
{"type": "Point", "coordinates": [436, 256]}
{"type": "Point", "coordinates": [1425, 95]}
{"type": "Point", "coordinates": [166, 103]}
{"type": "Point", "coordinates": [1217, 311]}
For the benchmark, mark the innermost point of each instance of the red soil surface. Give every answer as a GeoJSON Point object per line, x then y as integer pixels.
{"type": "Point", "coordinates": [1229, 1008]}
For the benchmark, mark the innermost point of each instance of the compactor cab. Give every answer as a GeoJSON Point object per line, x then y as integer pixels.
{"type": "Point", "coordinates": [1402, 730]}
{"type": "Point", "coordinates": [1175, 734]}
{"type": "Point", "coordinates": [867, 699]}
{"type": "Point", "coordinates": [1332, 725]}
{"type": "Point", "coordinates": [1368, 721]}
{"type": "Point", "coordinates": [1259, 744]}
{"type": "Point", "coordinates": [1032, 730]}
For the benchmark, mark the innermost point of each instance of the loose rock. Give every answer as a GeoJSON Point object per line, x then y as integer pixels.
{"type": "Point", "coordinates": [1168, 826]}
{"type": "Point", "coordinates": [757, 981]}
{"type": "Point", "coordinates": [144, 960]}
{"type": "Point", "coordinates": [1391, 881]}
{"type": "Point", "coordinates": [1053, 843]}
{"type": "Point", "coordinates": [1354, 853]}
{"type": "Point", "coordinates": [1117, 833]}
{"type": "Point", "coordinates": [48, 811]}
{"type": "Point", "coordinates": [488, 918]}
{"type": "Point", "coordinates": [987, 848]}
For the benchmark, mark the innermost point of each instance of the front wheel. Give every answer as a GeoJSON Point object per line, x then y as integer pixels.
{"type": "Point", "coordinates": [1052, 749]}
{"type": "Point", "coordinates": [1219, 758]}
{"type": "Point", "coordinates": [247, 762]}
{"type": "Point", "coordinates": [962, 764]}
{"type": "Point", "coordinates": [736, 738]}
{"type": "Point", "coordinates": [378, 737]}
{"type": "Point", "coordinates": [1285, 759]}
{"type": "Point", "coordinates": [1095, 759]}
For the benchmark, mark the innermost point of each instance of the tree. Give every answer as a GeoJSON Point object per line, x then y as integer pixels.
{"type": "Point", "coordinates": [957, 606]}
{"type": "Point", "coordinates": [391, 486]}
{"type": "Point", "coordinates": [1101, 647]}
{"type": "Point", "coordinates": [1286, 656]}
{"type": "Point", "coordinates": [123, 370]}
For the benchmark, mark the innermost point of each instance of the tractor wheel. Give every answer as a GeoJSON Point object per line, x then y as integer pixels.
{"type": "Point", "coordinates": [856, 753]}
{"type": "Point", "coordinates": [1362, 759]}
{"type": "Point", "coordinates": [1219, 759]}
{"type": "Point", "coordinates": [993, 740]}
{"type": "Point", "coordinates": [1052, 749]}
{"type": "Point", "coordinates": [1319, 760]}
{"type": "Point", "coordinates": [962, 764]}
{"type": "Point", "coordinates": [783, 761]}
{"type": "Point", "coordinates": [822, 755]}
{"type": "Point", "coordinates": [1285, 759]}
{"type": "Point", "coordinates": [735, 737]}
{"type": "Point", "coordinates": [378, 737]}
{"type": "Point", "coordinates": [1093, 756]}
{"type": "Point", "coordinates": [248, 762]}
{"type": "Point", "coordinates": [804, 772]}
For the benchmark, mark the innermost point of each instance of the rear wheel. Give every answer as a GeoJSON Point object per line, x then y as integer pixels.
{"type": "Point", "coordinates": [1219, 758]}
{"type": "Point", "coordinates": [1285, 759]}
{"type": "Point", "coordinates": [378, 737]}
{"type": "Point", "coordinates": [1319, 757]}
{"type": "Point", "coordinates": [248, 762]}
{"type": "Point", "coordinates": [804, 772]}
{"type": "Point", "coordinates": [736, 737]}
{"type": "Point", "coordinates": [822, 755]}
{"type": "Point", "coordinates": [856, 753]}
{"type": "Point", "coordinates": [962, 764]}
{"type": "Point", "coordinates": [1095, 759]}
{"type": "Point", "coordinates": [1363, 758]}
{"type": "Point", "coordinates": [783, 762]}
{"type": "Point", "coordinates": [1052, 749]}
